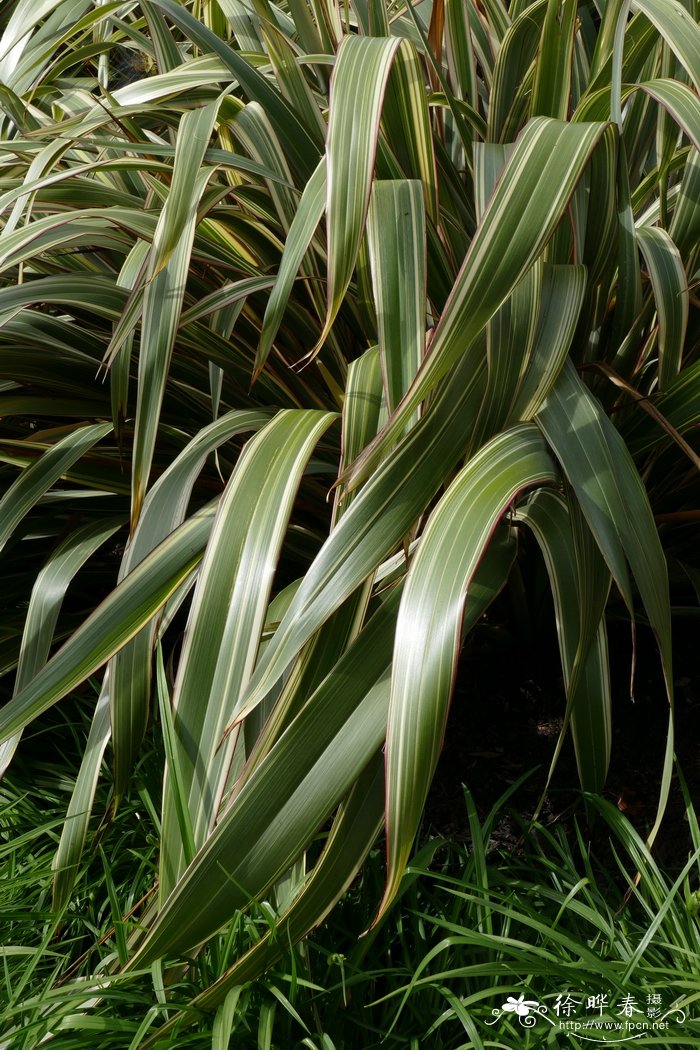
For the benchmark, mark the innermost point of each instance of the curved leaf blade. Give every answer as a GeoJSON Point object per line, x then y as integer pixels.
{"type": "Point", "coordinates": [272, 819]}
{"type": "Point", "coordinates": [430, 619]}
{"type": "Point", "coordinates": [528, 202]}
{"type": "Point", "coordinates": [602, 474]}
{"type": "Point", "coordinates": [164, 510]}
{"type": "Point", "coordinates": [66, 861]}
{"type": "Point", "coordinates": [120, 616]}
{"type": "Point", "coordinates": [227, 618]}
{"type": "Point", "coordinates": [31, 485]}
{"type": "Point", "coordinates": [670, 286]}
{"type": "Point", "coordinates": [45, 603]}
{"type": "Point", "coordinates": [588, 688]}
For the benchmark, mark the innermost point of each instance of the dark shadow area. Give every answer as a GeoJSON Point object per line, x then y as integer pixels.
{"type": "Point", "coordinates": [505, 720]}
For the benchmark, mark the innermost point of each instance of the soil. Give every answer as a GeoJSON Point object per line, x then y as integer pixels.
{"type": "Point", "coordinates": [505, 721]}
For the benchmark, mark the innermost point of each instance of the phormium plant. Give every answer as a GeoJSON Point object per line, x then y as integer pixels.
{"type": "Point", "coordinates": [307, 310]}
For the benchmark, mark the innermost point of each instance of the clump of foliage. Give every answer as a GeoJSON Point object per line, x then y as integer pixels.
{"type": "Point", "coordinates": [473, 926]}
{"type": "Point", "coordinates": [432, 263]}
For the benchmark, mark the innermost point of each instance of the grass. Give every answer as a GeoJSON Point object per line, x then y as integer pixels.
{"type": "Point", "coordinates": [474, 928]}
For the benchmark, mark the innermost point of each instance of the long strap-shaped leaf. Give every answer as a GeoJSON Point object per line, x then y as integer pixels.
{"type": "Point", "coordinates": [362, 410]}
{"type": "Point", "coordinates": [680, 406]}
{"type": "Point", "coordinates": [166, 277]}
{"type": "Point", "coordinates": [106, 299]}
{"type": "Point", "coordinates": [302, 229]}
{"type": "Point", "coordinates": [354, 831]}
{"type": "Point", "coordinates": [308, 770]}
{"type": "Point", "coordinates": [510, 336]}
{"type": "Point", "coordinates": [163, 511]}
{"type": "Point", "coordinates": [430, 620]}
{"type": "Point", "coordinates": [678, 28]}
{"type": "Point", "coordinates": [602, 474]}
{"type": "Point", "coordinates": [588, 698]}
{"type": "Point", "coordinates": [685, 225]}
{"type": "Point", "coordinates": [17, 34]}
{"type": "Point", "coordinates": [551, 90]}
{"type": "Point", "coordinates": [396, 236]}
{"type": "Point", "coordinates": [529, 200]}
{"type": "Point", "coordinates": [227, 617]}
{"type": "Point", "coordinates": [254, 130]}
{"type": "Point", "coordinates": [100, 226]}
{"type": "Point", "coordinates": [120, 616]}
{"type": "Point", "coordinates": [563, 289]}
{"type": "Point", "coordinates": [377, 521]}
{"type": "Point", "coordinates": [301, 150]}
{"type": "Point", "coordinates": [510, 80]}
{"type": "Point", "coordinates": [31, 485]}
{"type": "Point", "coordinates": [45, 605]}
{"type": "Point", "coordinates": [406, 124]}
{"type": "Point", "coordinates": [66, 860]}
{"type": "Point", "coordinates": [357, 92]}
{"type": "Point", "coordinates": [610, 492]}
{"type": "Point", "coordinates": [275, 815]}
{"type": "Point", "coordinates": [670, 285]}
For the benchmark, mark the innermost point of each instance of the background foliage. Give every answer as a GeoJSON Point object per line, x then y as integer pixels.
{"type": "Point", "coordinates": [309, 312]}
